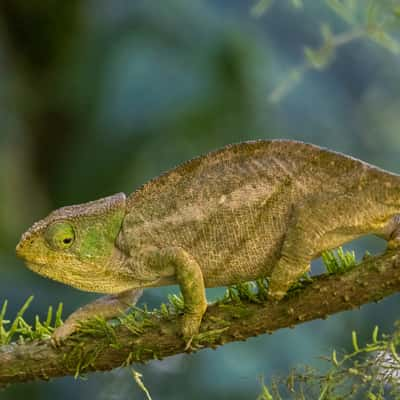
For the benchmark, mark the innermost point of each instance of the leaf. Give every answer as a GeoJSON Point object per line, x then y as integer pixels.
{"type": "Point", "coordinates": [320, 58]}
{"type": "Point", "coordinates": [260, 8]}
{"type": "Point", "coordinates": [375, 334]}
{"type": "Point", "coordinates": [371, 13]}
{"type": "Point", "coordinates": [265, 394]}
{"type": "Point", "coordinates": [384, 39]}
{"type": "Point", "coordinates": [58, 321]}
{"type": "Point", "coordinates": [346, 13]}
{"type": "Point", "coordinates": [137, 376]}
{"type": "Point", "coordinates": [297, 4]}
{"type": "Point", "coordinates": [334, 359]}
{"type": "Point", "coordinates": [355, 341]}
{"type": "Point", "coordinates": [292, 80]}
{"type": "Point", "coordinates": [20, 313]}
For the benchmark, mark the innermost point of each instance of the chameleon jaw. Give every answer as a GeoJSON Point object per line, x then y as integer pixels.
{"type": "Point", "coordinates": [34, 267]}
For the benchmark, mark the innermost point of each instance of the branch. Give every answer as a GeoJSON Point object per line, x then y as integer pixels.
{"type": "Point", "coordinates": [102, 347]}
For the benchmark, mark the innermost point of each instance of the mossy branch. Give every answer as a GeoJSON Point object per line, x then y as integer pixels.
{"type": "Point", "coordinates": [144, 336]}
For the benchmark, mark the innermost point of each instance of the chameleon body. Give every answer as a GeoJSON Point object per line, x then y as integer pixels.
{"type": "Point", "coordinates": [250, 210]}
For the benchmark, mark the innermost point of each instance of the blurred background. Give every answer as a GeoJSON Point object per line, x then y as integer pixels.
{"type": "Point", "coordinates": [97, 97]}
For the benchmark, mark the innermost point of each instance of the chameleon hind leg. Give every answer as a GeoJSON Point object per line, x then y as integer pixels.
{"type": "Point", "coordinates": [296, 256]}
{"type": "Point", "coordinates": [308, 234]}
{"type": "Point", "coordinates": [392, 232]}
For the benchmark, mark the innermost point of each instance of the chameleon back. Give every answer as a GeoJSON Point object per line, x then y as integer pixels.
{"type": "Point", "coordinates": [230, 208]}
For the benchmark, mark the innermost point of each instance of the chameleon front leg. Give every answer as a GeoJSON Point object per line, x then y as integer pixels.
{"type": "Point", "coordinates": [176, 261]}
{"type": "Point", "coordinates": [107, 307]}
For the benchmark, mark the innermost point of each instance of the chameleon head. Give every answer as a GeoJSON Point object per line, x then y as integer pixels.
{"type": "Point", "coordinates": [75, 244]}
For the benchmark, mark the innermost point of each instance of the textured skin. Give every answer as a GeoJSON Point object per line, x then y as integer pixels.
{"type": "Point", "coordinates": [250, 210]}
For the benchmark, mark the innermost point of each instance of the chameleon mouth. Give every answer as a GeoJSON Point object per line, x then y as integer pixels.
{"type": "Point", "coordinates": [34, 266]}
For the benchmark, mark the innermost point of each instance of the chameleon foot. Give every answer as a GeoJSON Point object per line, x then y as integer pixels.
{"type": "Point", "coordinates": [276, 295]}
{"type": "Point", "coordinates": [107, 307]}
{"type": "Point", "coordinates": [393, 244]}
{"type": "Point", "coordinates": [63, 331]}
{"type": "Point", "coordinates": [188, 345]}
{"type": "Point", "coordinates": [190, 326]}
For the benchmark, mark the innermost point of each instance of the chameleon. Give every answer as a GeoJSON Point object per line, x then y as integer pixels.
{"type": "Point", "coordinates": [259, 209]}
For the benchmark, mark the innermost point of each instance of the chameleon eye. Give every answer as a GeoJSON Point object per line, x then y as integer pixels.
{"type": "Point", "coordinates": [60, 235]}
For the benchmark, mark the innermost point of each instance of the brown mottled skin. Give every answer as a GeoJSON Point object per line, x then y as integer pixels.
{"type": "Point", "coordinates": [249, 210]}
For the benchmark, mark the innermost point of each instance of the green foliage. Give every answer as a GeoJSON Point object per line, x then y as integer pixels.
{"type": "Point", "coordinates": [81, 357]}
{"type": "Point", "coordinates": [262, 6]}
{"type": "Point", "coordinates": [372, 20]}
{"type": "Point", "coordinates": [21, 329]}
{"type": "Point", "coordinates": [100, 328]}
{"type": "Point", "coordinates": [176, 303]}
{"type": "Point", "coordinates": [136, 320]}
{"type": "Point", "coordinates": [339, 261]}
{"type": "Point", "coordinates": [322, 57]}
{"type": "Point", "coordinates": [247, 291]}
{"type": "Point", "coordinates": [370, 372]}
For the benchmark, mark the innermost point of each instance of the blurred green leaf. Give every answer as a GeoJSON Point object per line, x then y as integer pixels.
{"type": "Point", "coordinates": [261, 7]}
{"type": "Point", "coordinates": [372, 12]}
{"type": "Point", "coordinates": [385, 40]}
{"type": "Point", "coordinates": [343, 10]}
{"type": "Point", "coordinates": [322, 57]}
{"type": "Point", "coordinates": [292, 79]}
{"type": "Point", "coordinates": [297, 3]}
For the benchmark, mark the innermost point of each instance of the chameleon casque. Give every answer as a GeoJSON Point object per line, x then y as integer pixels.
{"type": "Point", "coordinates": [249, 210]}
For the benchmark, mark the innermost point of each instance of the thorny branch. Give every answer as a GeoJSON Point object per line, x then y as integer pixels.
{"type": "Point", "coordinates": [156, 337]}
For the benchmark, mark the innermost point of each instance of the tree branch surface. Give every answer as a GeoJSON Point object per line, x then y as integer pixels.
{"type": "Point", "coordinates": [372, 280]}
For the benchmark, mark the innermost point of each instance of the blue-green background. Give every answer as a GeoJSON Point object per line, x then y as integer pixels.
{"type": "Point", "coordinates": [96, 97]}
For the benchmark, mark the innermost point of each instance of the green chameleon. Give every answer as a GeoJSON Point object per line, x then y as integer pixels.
{"type": "Point", "coordinates": [250, 210]}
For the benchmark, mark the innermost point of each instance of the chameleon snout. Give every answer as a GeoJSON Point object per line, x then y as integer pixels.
{"type": "Point", "coordinates": [19, 250]}
{"type": "Point", "coordinates": [24, 246]}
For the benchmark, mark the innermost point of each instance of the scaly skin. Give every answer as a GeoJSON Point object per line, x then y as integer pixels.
{"type": "Point", "coordinates": [255, 209]}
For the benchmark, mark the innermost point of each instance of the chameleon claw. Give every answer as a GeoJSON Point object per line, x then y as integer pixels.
{"type": "Point", "coordinates": [276, 295]}
{"type": "Point", "coordinates": [191, 325]}
{"type": "Point", "coordinates": [188, 345]}
{"type": "Point", "coordinates": [393, 244]}
{"type": "Point", "coordinates": [190, 328]}
{"type": "Point", "coordinates": [62, 333]}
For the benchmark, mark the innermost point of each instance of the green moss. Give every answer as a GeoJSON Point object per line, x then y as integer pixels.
{"type": "Point", "coordinates": [98, 328]}
{"type": "Point", "coordinates": [19, 328]}
{"type": "Point", "coordinates": [339, 262]}
{"type": "Point", "coordinates": [137, 320]}
{"type": "Point", "coordinates": [236, 311]}
{"type": "Point", "coordinates": [208, 337]}
{"type": "Point", "coordinates": [80, 357]}
{"type": "Point", "coordinates": [254, 292]}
